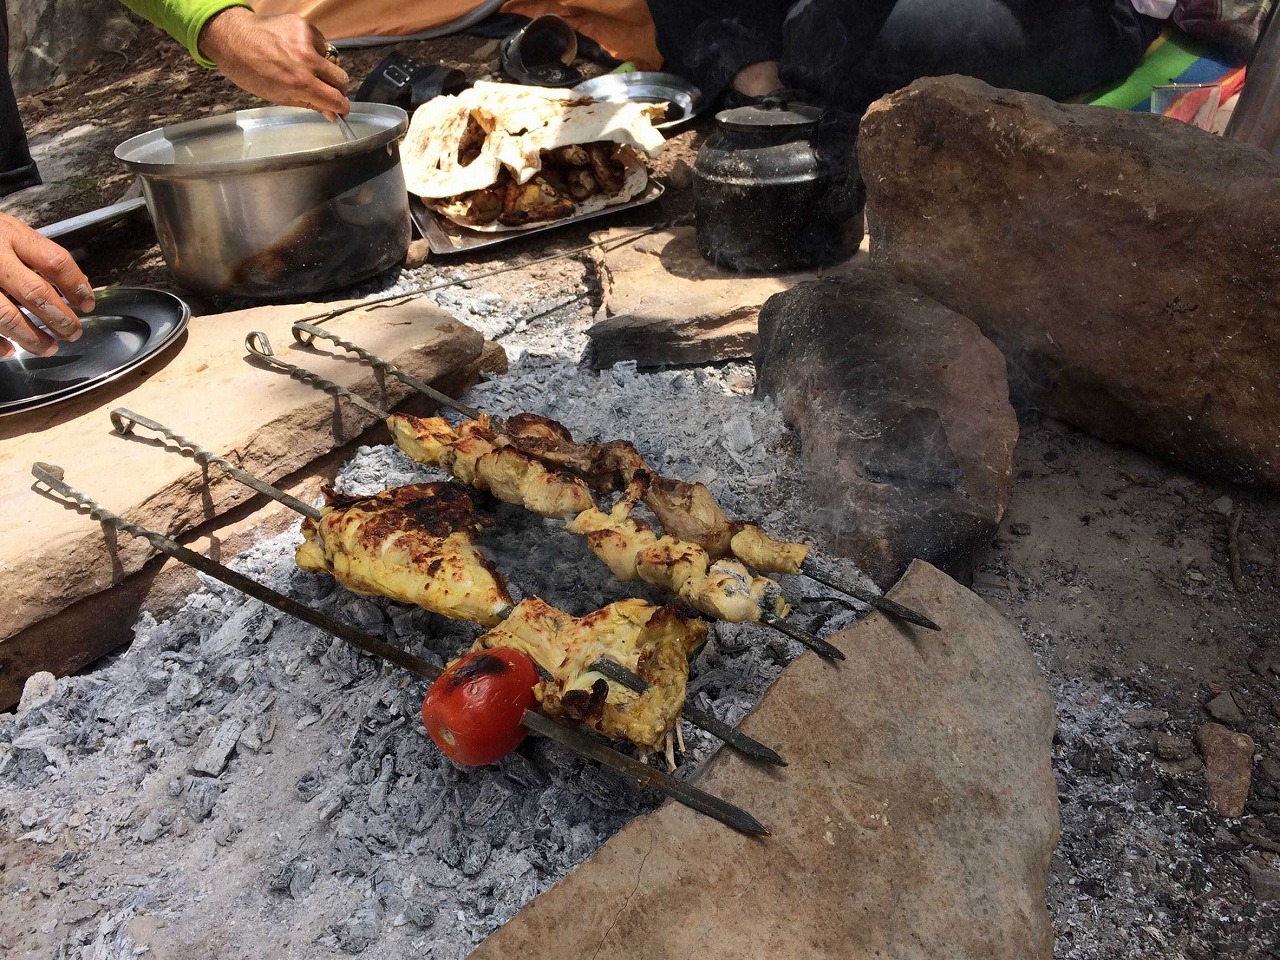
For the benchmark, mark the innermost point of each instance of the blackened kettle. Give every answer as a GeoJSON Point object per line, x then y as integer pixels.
{"type": "Point", "coordinates": [776, 188]}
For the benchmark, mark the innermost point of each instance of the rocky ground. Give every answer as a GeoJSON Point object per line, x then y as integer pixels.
{"type": "Point", "coordinates": [1149, 595]}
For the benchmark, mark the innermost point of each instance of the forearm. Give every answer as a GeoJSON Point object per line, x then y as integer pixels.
{"type": "Point", "coordinates": [183, 19]}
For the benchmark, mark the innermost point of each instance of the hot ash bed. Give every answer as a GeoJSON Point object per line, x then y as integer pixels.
{"type": "Point", "coordinates": [242, 738]}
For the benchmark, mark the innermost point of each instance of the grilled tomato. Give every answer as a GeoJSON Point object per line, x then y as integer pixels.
{"type": "Point", "coordinates": [475, 710]}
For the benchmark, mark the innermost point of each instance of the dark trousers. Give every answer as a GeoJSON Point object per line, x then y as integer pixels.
{"type": "Point", "coordinates": [17, 170]}
{"type": "Point", "coordinates": [851, 52]}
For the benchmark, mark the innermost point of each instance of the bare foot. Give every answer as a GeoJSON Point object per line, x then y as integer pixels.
{"type": "Point", "coordinates": [758, 79]}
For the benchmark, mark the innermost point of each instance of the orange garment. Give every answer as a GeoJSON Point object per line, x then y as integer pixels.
{"type": "Point", "coordinates": [623, 27]}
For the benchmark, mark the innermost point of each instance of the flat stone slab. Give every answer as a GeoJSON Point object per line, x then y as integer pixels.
{"type": "Point", "coordinates": [915, 820]}
{"type": "Point", "coordinates": [208, 390]}
{"type": "Point", "coordinates": [666, 304]}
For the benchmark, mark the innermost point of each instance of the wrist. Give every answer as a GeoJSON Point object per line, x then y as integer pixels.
{"type": "Point", "coordinates": [220, 30]}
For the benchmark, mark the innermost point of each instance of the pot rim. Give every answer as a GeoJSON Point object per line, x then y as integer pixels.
{"type": "Point", "coordinates": [261, 116]}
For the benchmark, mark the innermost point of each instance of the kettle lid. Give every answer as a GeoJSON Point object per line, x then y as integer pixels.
{"type": "Point", "coordinates": [772, 113]}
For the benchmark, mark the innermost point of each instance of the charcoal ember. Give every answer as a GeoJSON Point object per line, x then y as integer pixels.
{"type": "Point", "coordinates": [477, 855]}
{"type": "Point", "coordinates": [487, 803]}
{"type": "Point", "coordinates": [381, 834]}
{"type": "Point", "coordinates": [201, 795]}
{"type": "Point", "coordinates": [362, 928]}
{"type": "Point", "coordinates": [438, 874]}
{"type": "Point", "coordinates": [362, 771]}
{"type": "Point", "coordinates": [231, 633]}
{"type": "Point", "coordinates": [365, 614]}
{"type": "Point", "coordinates": [280, 877]}
{"type": "Point", "coordinates": [157, 681]}
{"type": "Point", "coordinates": [524, 772]}
{"type": "Point", "coordinates": [154, 826]}
{"type": "Point", "coordinates": [234, 674]}
{"type": "Point", "coordinates": [349, 856]}
{"type": "Point", "coordinates": [501, 826]}
{"type": "Point", "coordinates": [308, 786]}
{"type": "Point", "coordinates": [431, 811]}
{"type": "Point", "coordinates": [378, 796]}
{"type": "Point", "coordinates": [215, 755]}
{"type": "Point", "coordinates": [445, 840]}
{"type": "Point", "coordinates": [183, 691]}
{"type": "Point", "coordinates": [420, 912]}
{"type": "Point", "coordinates": [304, 875]}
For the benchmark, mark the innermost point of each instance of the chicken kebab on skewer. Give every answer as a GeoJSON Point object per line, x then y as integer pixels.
{"type": "Point", "coordinates": [468, 683]}
{"type": "Point", "coordinates": [687, 511]}
{"type": "Point", "coordinates": [412, 544]}
{"type": "Point", "coordinates": [485, 458]}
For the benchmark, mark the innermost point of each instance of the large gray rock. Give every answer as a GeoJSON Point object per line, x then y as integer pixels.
{"type": "Point", "coordinates": [1126, 264]}
{"type": "Point", "coordinates": [915, 820]}
{"type": "Point", "coordinates": [52, 40]}
{"type": "Point", "coordinates": [903, 412]}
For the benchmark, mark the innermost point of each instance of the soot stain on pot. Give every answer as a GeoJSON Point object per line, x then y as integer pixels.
{"type": "Point", "coordinates": [324, 250]}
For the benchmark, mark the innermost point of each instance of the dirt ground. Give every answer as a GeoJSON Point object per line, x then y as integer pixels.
{"type": "Point", "coordinates": [1139, 586]}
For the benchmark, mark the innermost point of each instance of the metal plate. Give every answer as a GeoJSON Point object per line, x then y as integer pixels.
{"type": "Point", "coordinates": [683, 99]}
{"type": "Point", "coordinates": [446, 237]}
{"type": "Point", "coordinates": [128, 326]}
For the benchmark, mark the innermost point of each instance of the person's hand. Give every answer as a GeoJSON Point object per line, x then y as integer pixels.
{"type": "Point", "coordinates": [280, 58]}
{"type": "Point", "coordinates": [33, 269]}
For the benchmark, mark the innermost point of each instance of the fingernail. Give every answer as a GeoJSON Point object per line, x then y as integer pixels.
{"type": "Point", "coordinates": [84, 294]}
{"type": "Point", "coordinates": [48, 350]}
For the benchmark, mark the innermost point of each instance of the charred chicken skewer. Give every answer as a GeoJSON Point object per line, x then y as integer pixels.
{"type": "Point", "coordinates": [685, 510]}
{"type": "Point", "coordinates": [481, 457]}
{"type": "Point", "coordinates": [723, 589]}
{"type": "Point", "coordinates": [52, 478]}
{"type": "Point", "coordinates": [125, 421]}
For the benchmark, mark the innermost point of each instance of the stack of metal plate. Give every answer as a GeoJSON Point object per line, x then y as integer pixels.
{"type": "Point", "coordinates": [128, 326]}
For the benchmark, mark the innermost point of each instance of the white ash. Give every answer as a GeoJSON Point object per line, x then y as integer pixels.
{"type": "Point", "coordinates": [334, 825]}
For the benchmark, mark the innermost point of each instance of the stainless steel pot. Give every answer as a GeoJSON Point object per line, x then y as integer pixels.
{"type": "Point", "coordinates": [277, 201]}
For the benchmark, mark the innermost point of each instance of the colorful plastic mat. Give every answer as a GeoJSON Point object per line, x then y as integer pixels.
{"type": "Point", "coordinates": [1172, 58]}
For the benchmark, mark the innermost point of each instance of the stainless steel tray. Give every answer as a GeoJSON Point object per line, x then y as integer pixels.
{"type": "Point", "coordinates": [128, 326]}
{"type": "Point", "coordinates": [446, 237]}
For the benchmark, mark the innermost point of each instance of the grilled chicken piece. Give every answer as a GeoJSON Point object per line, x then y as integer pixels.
{"type": "Point", "coordinates": [485, 205]}
{"type": "Point", "coordinates": [761, 552]}
{"type": "Point", "coordinates": [650, 641]}
{"type": "Point", "coordinates": [483, 458]}
{"type": "Point", "coordinates": [608, 173]}
{"type": "Point", "coordinates": [725, 589]}
{"type": "Point", "coordinates": [411, 544]}
{"type": "Point", "coordinates": [686, 511]}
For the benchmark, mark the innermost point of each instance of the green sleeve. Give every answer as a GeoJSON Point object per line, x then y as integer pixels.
{"type": "Point", "coordinates": [183, 19]}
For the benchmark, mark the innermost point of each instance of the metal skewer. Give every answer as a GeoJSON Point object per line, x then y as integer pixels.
{"type": "Point", "coordinates": [748, 746]}
{"type": "Point", "coordinates": [258, 344]}
{"type": "Point", "coordinates": [52, 477]}
{"type": "Point", "coordinates": [125, 420]}
{"type": "Point", "coordinates": [305, 333]}
{"type": "Point", "coordinates": [883, 604]}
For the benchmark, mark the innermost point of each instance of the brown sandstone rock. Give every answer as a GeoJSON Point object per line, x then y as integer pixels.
{"type": "Point", "coordinates": [903, 413]}
{"type": "Point", "coordinates": [915, 820]}
{"type": "Point", "coordinates": [1126, 264]}
{"type": "Point", "coordinates": [268, 423]}
{"type": "Point", "coordinates": [1228, 767]}
{"type": "Point", "coordinates": [666, 304]}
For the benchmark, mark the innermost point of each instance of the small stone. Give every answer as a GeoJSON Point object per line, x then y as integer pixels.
{"type": "Point", "coordinates": [213, 759]}
{"type": "Point", "coordinates": [1265, 883]}
{"type": "Point", "coordinates": [1168, 747]}
{"type": "Point", "coordinates": [418, 253]}
{"type": "Point", "coordinates": [1269, 769]}
{"type": "Point", "coordinates": [1145, 719]}
{"type": "Point", "coordinates": [1228, 760]}
{"type": "Point", "coordinates": [1224, 708]}
{"type": "Point", "coordinates": [1222, 505]}
{"type": "Point", "coordinates": [39, 689]}
{"type": "Point", "coordinates": [681, 176]}
{"type": "Point", "coordinates": [1020, 529]}
{"type": "Point", "coordinates": [1177, 768]}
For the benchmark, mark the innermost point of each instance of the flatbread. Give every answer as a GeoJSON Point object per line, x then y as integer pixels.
{"type": "Point", "coordinates": [519, 123]}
